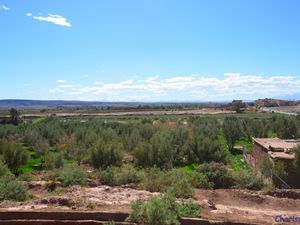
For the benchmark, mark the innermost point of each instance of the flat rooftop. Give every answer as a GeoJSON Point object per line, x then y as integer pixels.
{"type": "Point", "coordinates": [278, 148]}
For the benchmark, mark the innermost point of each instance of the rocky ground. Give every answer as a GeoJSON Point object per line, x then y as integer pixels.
{"type": "Point", "coordinates": [224, 205]}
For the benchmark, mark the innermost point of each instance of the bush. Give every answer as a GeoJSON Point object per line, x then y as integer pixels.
{"type": "Point", "coordinates": [161, 210]}
{"type": "Point", "coordinates": [13, 155]}
{"type": "Point", "coordinates": [11, 189]}
{"type": "Point", "coordinates": [54, 161]}
{"type": "Point", "coordinates": [157, 153]}
{"type": "Point", "coordinates": [4, 171]}
{"type": "Point", "coordinates": [182, 183]}
{"type": "Point", "coordinates": [73, 176]}
{"type": "Point", "coordinates": [203, 148]}
{"type": "Point", "coordinates": [266, 167]}
{"type": "Point", "coordinates": [153, 180]}
{"type": "Point", "coordinates": [105, 155]}
{"type": "Point", "coordinates": [115, 176]}
{"type": "Point", "coordinates": [217, 174]}
{"type": "Point", "coordinates": [232, 130]}
{"type": "Point", "coordinates": [274, 170]}
{"type": "Point", "coordinates": [245, 179]}
{"type": "Point", "coordinates": [157, 211]}
{"type": "Point", "coordinates": [189, 209]}
{"type": "Point", "coordinates": [143, 156]}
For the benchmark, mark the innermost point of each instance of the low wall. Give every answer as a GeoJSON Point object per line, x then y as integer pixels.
{"type": "Point", "coordinates": [84, 218]}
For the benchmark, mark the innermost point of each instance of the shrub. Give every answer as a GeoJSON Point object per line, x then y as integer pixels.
{"type": "Point", "coordinates": [274, 170]}
{"type": "Point", "coordinates": [105, 155]}
{"type": "Point", "coordinates": [158, 152]}
{"type": "Point", "coordinates": [153, 180]}
{"type": "Point", "coordinates": [157, 211]}
{"type": "Point", "coordinates": [73, 176]}
{"type": "Point", "coordinates": [4, 171]}
{"type": "Point", "coordinates": [266, 167]}
{"type": "Point", "coordinates": [161, 210]}
{"type": "Point", "coordinates": [13, 155]}
{"type": "Point", "coordinates": [143, 156]}
{"type": "Point", "coordinates": [232, 131]}
{"type": "Point", "coordinates": [11, 189]}
{"type": "Point", "coordinates": [245, 179]}
{"type": "Point", "coordinates": [189, 209]}
{"type": "Point", "coordinates": [203, 148]}
{"type": "Point", "coordinates": [91, 205]}
{"type": "Point", "coordinates": [115, 176]}
{"type": "Point", "coordinates": [181, 182]}
{"type": "Point", "coordinates": [217, 174]}
{"type": "Point", "coordinates": [54, 161]}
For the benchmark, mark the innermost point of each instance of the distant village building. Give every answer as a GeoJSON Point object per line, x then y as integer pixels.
{"type": "Point", "coordinates": [276, 150]}
{"type": "Point", "coordinates": [269, 102]}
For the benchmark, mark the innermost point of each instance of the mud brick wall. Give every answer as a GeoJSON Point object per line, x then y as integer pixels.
{"type": "Point", "coordinates": [84, 218]}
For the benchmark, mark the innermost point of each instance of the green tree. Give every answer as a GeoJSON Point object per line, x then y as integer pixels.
{"type": "Point", "coordinates": [202, 149]}
{"type": "Point", "coordinates": [218, 174]}
{"type": "Point", "coordinates": [4, 170]}
{"type": "Point", "coordinates": [236, 105]}
{"type": "Point", "coordinates": [73, 176]}
{"type": "Point", "coordinates": [157, 211]}
{"type": "Point", "coordinates": [134, 139]}
{"type": "Point", "coordinates": [143, 155]}
{"type": "Point", "coordinates": [245, 179]}
{"type": "Point", "coordinates": [13, 155]}
{"type": "Point", "coordinates": [285, 127]}
{"type": "Point", "coordinates": [41, 147]}
{"type": "Point", "coordinates": [232, 131]}
{"type": "Point", "coordinates": [163, 154]}
{"type": "Point", "coordinates": [14, 116]}
{"type": "Point", "coordinates": [75, 148]}
{"type": "Point", "coordinates": [105, 155]}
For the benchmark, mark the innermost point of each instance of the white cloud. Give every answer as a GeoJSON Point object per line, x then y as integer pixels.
{"type": "Point", "coordinates": [61, 81]}
{"type": "Point", "coordinates": [28, 14]}
{"type": "Point", "coordinates": [27, 84]}
{"type": "Point", "coordinates": [4, 7]}
{"type": "Point", "coordinates": [85, 75]}
{"type": "Point", "coordinates": [188, 88]}
{"type": "Point", "coordinates": [65, 86]}
{"type": "Point", "coordinates": [56, 90]}
{"type": "Point", "coordinates": [232, 74]}
{"type": "Point", "coordinates": [56, 19]}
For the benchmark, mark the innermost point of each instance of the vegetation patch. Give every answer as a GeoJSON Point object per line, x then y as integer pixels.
{"type": "Point", "coordinates": [161, 210]}
{"type": "Point", "coordinates": [72, 175]}
{"type": "Point", "coordinates": [127, 174]}
{"type": "Point", "coordinates": [182, 183]}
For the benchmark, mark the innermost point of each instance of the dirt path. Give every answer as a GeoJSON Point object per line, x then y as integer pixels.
{"type": "Point", "coordinates": [223, 205]}
{"type": "Point", "coordinates": [244, 206]}
{"type": "Point", "coordinates": [134, 113]}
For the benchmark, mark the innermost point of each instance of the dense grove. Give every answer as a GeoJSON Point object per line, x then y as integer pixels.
{"type": "Point", "coordinates": [155, 149]}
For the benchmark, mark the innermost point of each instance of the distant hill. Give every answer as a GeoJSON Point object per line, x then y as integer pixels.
{"type": "Point", "coordinates": [65, 104]}
{"type": "Point", "coordinates": [7, 103]}
{"type": "Point", "coordinates": [55, 104]}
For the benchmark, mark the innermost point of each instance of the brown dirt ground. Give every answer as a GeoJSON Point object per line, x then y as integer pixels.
{"type": "Point", "coordinates": [246, 206]}
{"type": "Point", "coordinates": [230, 205]}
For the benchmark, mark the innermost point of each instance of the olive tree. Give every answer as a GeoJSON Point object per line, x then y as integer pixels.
{"type": "Point", "coordinates": [232, 131]}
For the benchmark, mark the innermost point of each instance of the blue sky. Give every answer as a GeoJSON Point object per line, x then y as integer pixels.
{"type": "Point", "coordinates": [149, 50]}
